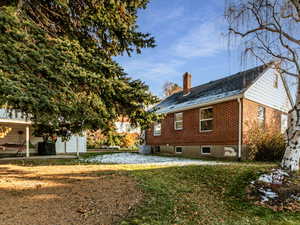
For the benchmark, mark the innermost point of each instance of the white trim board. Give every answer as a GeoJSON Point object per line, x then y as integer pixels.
{"type": "Point", "coordinates": [15, 121]}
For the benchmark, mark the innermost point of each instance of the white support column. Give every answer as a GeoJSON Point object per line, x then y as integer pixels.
{"type": "Point", "coordinates": [77, 145]}
{"type": "Point", "coordinates": [65, 147]}
{"type": "Point", "coordinates": [27, 141]}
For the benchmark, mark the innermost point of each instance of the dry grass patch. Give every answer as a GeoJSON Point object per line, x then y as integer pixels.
{"type": "Point", "coordinates": [70, 194]}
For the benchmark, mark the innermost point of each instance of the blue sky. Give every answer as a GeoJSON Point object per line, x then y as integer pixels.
{"type": "Point", "coordinates": [190, 38]}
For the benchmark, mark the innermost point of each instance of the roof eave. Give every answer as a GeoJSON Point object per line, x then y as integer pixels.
{"type": "Point", "coordinates": [287, 90]}
{"type": "Point", "coordinates": [226, 99]}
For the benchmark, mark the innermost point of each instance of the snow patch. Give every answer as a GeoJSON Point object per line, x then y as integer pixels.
{"type": "Point", "coordinates": [132, 158]}
{"type": "Point", "coordinates": [275, 177]}
{"type": "Point", "coordinates": [297, 198]}
{"type": "Point", "coordinates": [267, 194]}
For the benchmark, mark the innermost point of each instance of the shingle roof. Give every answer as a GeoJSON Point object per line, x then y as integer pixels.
{"type": "Point", "coordinates": [212, 91]}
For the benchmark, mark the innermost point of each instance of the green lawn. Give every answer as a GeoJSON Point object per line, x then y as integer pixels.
{"type": "Point", "coordinates": [203, 195]}
{"type": "Point", "coordinates": [210, 195]}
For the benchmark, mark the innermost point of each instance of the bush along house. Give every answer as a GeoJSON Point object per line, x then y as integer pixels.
{"type": "Point", "coordinates": [213, 119]}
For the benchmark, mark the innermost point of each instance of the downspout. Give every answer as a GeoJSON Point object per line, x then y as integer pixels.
{"type": "Point", "coordinates": [240, 130]}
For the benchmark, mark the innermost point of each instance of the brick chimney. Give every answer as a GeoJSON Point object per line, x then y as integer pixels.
{"type": "Point", "coordinates": [187, 83]}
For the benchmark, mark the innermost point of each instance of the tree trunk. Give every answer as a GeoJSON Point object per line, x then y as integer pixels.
{"type": "Point", "coordinates": [291, 156]}
{"type": "Point", "coordinates": [20, 4]}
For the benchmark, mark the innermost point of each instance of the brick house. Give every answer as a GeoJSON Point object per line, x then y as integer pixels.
{"type": "Point", "coordinates": [212, 119]}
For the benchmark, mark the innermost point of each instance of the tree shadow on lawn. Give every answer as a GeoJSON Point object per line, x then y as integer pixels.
{"type": "Point", "coordinates": [172, 195]}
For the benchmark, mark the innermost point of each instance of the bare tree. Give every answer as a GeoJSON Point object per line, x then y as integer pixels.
{"type": "Point", "coordinates": [270, 30]}
{"type": "Point", "coordinates": [170, 88]}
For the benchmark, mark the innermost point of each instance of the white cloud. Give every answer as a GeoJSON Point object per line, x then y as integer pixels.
{"type": "Point", "coordinates": [152, 70]}
{"type": "Point", "coordinates": [203, 41]}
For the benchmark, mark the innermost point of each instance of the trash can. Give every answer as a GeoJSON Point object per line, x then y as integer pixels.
{"type": "Point", "coordinates": [144, 149]}
{"type": "Point", "coordinates": [46, 148]}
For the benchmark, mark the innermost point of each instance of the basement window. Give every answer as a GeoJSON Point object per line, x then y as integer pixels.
{"type": "Point", "coordinates": [206, 119]}
{"type": "Point", "coordinates": [157, 129]}
{"type": "Point", "coordinates": [178, 149]}
{"type": "Point", "coordinates": [178, 121]}
{"type": "Point", "coordinates": [205, 150]}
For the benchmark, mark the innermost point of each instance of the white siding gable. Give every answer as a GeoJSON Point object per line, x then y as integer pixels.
{"type": "Point", "coordinates": [264, 92]}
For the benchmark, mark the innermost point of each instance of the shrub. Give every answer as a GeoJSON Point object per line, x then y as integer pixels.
{"type": "Point", "coordinates": [97, 139]}
{"type": "Point", "coordinates": [129, 140]}
{"type": "Point", "coordinates": [265, 144]}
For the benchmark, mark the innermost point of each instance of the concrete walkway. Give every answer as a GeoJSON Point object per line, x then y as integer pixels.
{"type": "Point", "coordinates": [39, 157]}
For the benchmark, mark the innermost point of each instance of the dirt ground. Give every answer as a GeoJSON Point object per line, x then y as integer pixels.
{"type": "Point", "coordinates": [64, 195]}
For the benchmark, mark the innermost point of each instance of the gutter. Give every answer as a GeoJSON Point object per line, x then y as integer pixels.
{"type": "Point", "coordinates": [240, 130]}
{"type": "Point", "coordinates": [15, 121]}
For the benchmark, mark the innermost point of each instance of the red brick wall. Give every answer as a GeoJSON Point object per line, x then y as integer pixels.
{"type": "Point", "coordinates": [225, 130]}
{"type": "Point", "coordinates": [250, 111]}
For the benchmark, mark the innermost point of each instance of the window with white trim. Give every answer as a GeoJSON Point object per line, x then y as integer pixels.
{"type": "Point", "coordinates": [178, 121]}
{"type": "Point", "coordinates": [206, 119]}
{"type": "Point", "coordinates": [284, 122]}
{"type": "Point", "coordinates": [205, 150]}
{"type": "Point", "coordinates": [157, 129]}
{"type": "Point", "coordinates": [261, 111]}
{"type": "Point", "coordinates": [178, 149]}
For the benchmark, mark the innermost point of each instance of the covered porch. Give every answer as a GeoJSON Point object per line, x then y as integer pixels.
{"type": "Point", "coordinates": [16, 139]}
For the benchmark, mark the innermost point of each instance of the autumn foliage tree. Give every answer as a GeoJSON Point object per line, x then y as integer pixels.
{"type": "Point", "coordinates": [170, 88]}
{"type": "Point", "coordinates": [270, 30]}
{"type": "Point", "coordinates": [56, 63]}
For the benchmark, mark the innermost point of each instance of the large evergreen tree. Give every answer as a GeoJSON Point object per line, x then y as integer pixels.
{"type": "Point", "coordinates": [56, 63]}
